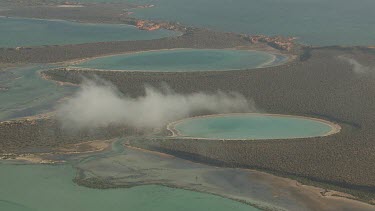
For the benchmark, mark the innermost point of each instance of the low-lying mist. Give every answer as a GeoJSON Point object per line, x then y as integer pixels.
{"type": "Point", "coordinates": [99, 104]}
{"type": "Point", "coordinates": [357, 67]}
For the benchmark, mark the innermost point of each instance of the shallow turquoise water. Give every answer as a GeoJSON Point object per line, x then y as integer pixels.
{"type": "Point", "coordinates": [250, 126]}
{"type": "Point", "coordinates": [46, 188]}
{"type": "Point", "coordinates": [25, 93]}
{"type": "Point", "coordinates": [16, 32]}
{"type": "Point", "coordinates": [181, 60]}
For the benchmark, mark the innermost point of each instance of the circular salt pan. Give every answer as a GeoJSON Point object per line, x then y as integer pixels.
{"type": "Point", "coordinates": [252, 126]}
{"type": "Point", "coordinates": [184, 60]}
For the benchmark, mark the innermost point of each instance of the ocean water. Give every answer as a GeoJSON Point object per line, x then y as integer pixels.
{"type": "Point", "coordinates": [16, 32]}
{"type": "Point", "coordinates": [24, 93]}
{"type": "Point", "coordinates": [315, 22]}
{"type": "Point", "coordinates": [50, 187]}
{"type": "Point", "coordinates": [251, 126]}
{"type": "Point", "coordinates": [182, 60]}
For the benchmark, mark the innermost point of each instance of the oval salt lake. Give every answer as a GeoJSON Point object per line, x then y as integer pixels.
{"type": "Point", "coordinates": [252, 126]}
{"type": "Point", "coordinates": [180, 60]}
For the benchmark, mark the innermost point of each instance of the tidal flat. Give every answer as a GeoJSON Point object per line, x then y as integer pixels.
{"type": "Point", "coordinates": [47, 187]}
{"type": "Point", "coordinates": [128, 177]}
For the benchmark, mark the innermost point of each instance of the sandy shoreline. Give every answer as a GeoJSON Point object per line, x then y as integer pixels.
{"type": "Point", "coordinates": [335, 128]}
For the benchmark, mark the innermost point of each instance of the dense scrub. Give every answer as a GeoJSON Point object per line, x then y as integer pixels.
{"type": "Point", "coordinates": [21, 136]}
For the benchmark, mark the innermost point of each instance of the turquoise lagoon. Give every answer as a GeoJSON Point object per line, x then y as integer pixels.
{"type": "Point", "coordinates": [50, 187]}
{"type": "Point", "coordinates": [251, 126]}
{"type": "Point", "coordinates": [182, 60]}
{"type": "Point", "coordinates": [15, 32]}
